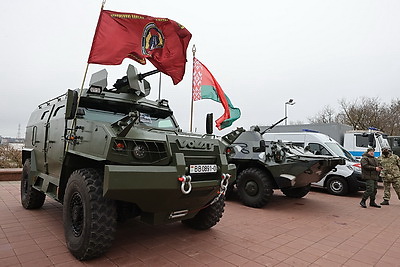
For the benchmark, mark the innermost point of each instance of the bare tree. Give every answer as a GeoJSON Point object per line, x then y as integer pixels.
{"type": "Point", "coordinates": [363, 113]}
{"type": "Point", "coordinates": [391, 118]}
{"type": "Point", "coordinates": [327, 115]}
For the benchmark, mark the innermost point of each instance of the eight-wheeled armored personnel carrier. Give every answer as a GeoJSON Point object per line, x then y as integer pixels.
{"type": "Point", "coordinates": [109, 154]}
{"type": "Point", "coordinates": [263, 166]}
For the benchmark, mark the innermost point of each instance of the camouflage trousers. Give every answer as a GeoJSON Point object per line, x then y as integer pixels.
{"type": "Point", "coordinates": [371, 189]}
{"type": "Point", "coordinates": [396, 186]}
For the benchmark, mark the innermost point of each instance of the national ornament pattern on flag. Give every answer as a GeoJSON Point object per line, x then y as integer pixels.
{"type": "Point", "coordinates": [197, 79]}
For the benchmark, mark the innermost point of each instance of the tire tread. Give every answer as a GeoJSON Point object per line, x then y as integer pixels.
{"type": "Point", "coordinates": [103, 217]}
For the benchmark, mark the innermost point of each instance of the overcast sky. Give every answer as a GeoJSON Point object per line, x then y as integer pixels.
{"type": "Point", "coordinates": [261, 52]}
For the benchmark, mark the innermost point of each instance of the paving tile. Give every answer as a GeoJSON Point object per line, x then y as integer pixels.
{"type": "Point", "coordinates": [355, 263]}
{"type": "Point", "coordinates": [294, 261]}
{"type": "Point", "coordinates": [27, 249]}
{"type": "Point", "coordinates": [335, 257]}
{"type": "Point", "coordinates": [252, 264]}
{"type": "Point", "coordinates": [249, 253]}
{"type": "Point", "coordinates": [279, 256]}
{"type": "Point", "coordinates": [266, 260]}
{"type": "Point", "coordinates": [6, 253]}
{"type": "Point", "coordinates": [189, 262]}
{"type": "Point", "coordinates": [23, 243]}
{"type": "Point", "coordinates": [287, 250]}
{"type": "Point", "coordinates": [327, 263]}
{"type": "Point", "coordinates": [62, 258]}
{"type": "Point", "coordinates": [42, 262]}
{"type": "Point", "coordinates": [205, 258]}
{"type": "Point", "coordinates": [31, 256]}
{"type": "Point", "coordinates": [127, 261]}
{"type": "Point", "coordinates": [9, 261]}
{"type": "Point", "coordinates": [300, 244]}
{"type": "Point", "coordinates": [236, 259]}
{"type": "Point", "coordinates": [304, 255]}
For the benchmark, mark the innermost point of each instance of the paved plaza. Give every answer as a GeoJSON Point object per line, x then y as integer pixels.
{"type": "Point", "coordinates": [318, 230]}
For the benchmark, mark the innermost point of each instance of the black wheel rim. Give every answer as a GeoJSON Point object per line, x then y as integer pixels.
{"type": "Point", "coordinates": [251, 188]}
{"type": "Point", "coordinates": [76, 214]}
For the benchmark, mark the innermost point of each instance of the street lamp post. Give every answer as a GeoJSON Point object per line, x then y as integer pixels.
{"type": "Point", "coordinates": [290, 102]}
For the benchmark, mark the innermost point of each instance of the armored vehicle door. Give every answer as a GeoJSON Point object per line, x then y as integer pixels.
{"type": "Point", "coordinates": [39, 132]}
{"type": "Point", "coordinates": [55, 140]}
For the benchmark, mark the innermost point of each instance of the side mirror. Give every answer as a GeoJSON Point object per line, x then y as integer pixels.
{"type": "Point", "coordinates": [371, 140]}
{"type": "Point", "coordinates": [72, 104]}
{"type": "Point", "coordinates": [209, 123]}
{"type": "Point", "coordinates": [262, 145]}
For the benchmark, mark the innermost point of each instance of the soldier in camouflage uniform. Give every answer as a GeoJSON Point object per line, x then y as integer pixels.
{"type": "Point", "coordinates": [370, 172]}
{"type": "Point", "coordinates": [390, 174]}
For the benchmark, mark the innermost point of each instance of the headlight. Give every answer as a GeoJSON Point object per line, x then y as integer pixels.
{"type": "Point", "coordinates": [139, 151]}
{"type": "Point", "coordinates": [350, 167]}
{"type": "Point", "coordinates": [357, 167]}
{"type": "Point", "coordinates": [119, 146]}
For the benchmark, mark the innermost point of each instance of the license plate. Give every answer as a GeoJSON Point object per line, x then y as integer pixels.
{"type": "Point", "coordinates": [203, 168]}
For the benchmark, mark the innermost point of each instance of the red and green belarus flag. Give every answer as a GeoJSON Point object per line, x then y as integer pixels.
{"type": "Point", "coordinates": [205, 86]}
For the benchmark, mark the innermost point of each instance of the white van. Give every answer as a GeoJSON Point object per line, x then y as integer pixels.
{"type": "Point", "coordinates": [341, 180]}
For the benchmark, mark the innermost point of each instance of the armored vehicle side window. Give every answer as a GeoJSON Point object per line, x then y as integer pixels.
{"type": "Point", "coordinates": [57, 109]}
{"type": "Point", "coordinates": [44, 114]}
{"type": "Point", "coordinates": [298, 144]}
{"type": "Point", "coordinates": [318, 149]}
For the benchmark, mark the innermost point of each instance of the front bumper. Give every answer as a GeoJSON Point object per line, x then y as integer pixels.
{"type": "Point", "coordinates": [355, 182]}
{"type": "Point", "coordinates": [156, 190]}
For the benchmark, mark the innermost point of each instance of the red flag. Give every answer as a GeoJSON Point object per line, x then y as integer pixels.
{"type": "Point", "coordinates": [126, 35]}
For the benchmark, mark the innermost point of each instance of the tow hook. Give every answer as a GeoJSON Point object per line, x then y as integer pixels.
{"type": "Point", "coordinates": [186, 183]}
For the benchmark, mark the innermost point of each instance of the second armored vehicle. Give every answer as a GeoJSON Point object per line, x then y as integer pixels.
{"type": "Point", "coordinates": [264, 166]}
{"type": "Point", "coordinates": [109, 154]}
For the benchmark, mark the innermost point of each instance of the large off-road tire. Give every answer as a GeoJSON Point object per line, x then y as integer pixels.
{"type": "Point", "coordinates": [337, 186]}
{"type": "Point", "coordinates": [296, 192]}
{"type": "Point", "coordinates": [207, 217]}
{"type": "Point", "coordinates": [30, 197]}
{"type": "Point", "coordinates": [254, 187]}
{"type": "Point", "coordinates": [89, 218]}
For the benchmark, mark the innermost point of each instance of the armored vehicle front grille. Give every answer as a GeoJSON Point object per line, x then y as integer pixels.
{"type": "Point", "coordinates": [147, 152]}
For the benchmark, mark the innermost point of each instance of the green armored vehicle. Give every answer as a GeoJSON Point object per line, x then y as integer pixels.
{"type": "Point", "coordinates": [264, 166]}
{"type": "Point", "coordinates": [112, 154]}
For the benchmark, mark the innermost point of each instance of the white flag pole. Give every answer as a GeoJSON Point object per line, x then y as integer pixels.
{"type": "Point", "coordinates": [191, 106]}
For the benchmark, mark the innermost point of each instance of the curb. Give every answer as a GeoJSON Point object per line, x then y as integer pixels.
{"type": "Point", "coordinates": [12, 174]}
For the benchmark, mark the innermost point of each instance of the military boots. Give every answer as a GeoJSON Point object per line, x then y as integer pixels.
{"type": "Point", "coordinates": [385, 202]}
{"type": "Point", "coordinates": [373, 204]}
{"type": "Point", "coordinates": [362, 203]}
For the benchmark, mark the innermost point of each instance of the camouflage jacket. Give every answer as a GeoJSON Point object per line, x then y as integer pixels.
{"type": "Point", "coordinates": [391, 166]}
{"type": "Point", "coordinates": [368, 167]}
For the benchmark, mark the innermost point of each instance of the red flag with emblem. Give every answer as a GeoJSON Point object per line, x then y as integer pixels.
{"type": "Point", "coordinates": [127, 35]}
